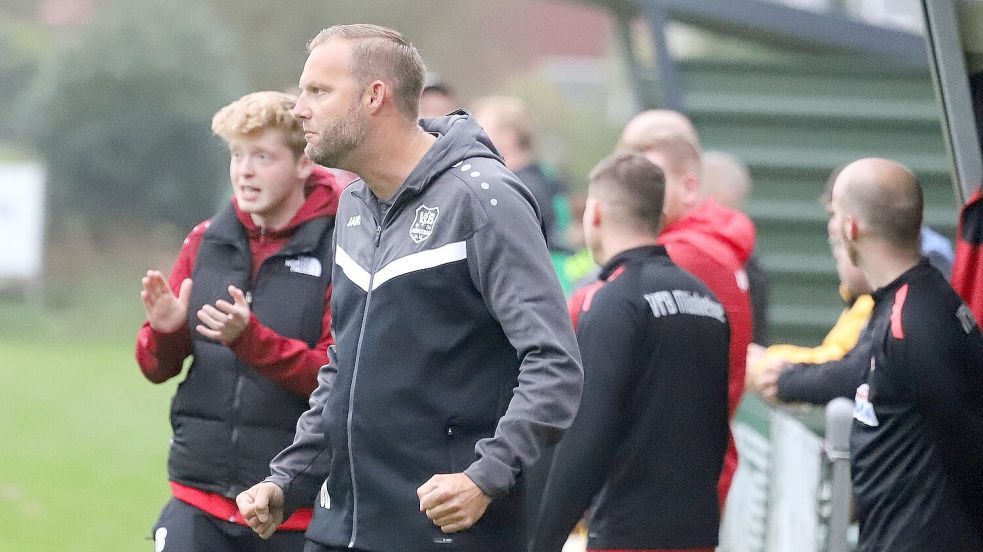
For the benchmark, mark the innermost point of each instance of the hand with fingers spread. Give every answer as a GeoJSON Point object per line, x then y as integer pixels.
{"type": "Point", "coordinates": [225, 321]}
{"type": "Point", "coordinates": [452, 501]}
{"type": "Point", "coordinates": [166, 312]}
{"type": "Point", "coordinates": [262, 507]}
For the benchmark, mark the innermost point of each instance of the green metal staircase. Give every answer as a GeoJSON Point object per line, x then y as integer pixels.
{"type": "Point", "coordinates": [794, 117]}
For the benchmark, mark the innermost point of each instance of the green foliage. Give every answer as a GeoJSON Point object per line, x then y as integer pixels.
{"type": "Point", "coordinates": [21, 46]}
{"type": "Point", "coordinates": [121, 112]}
{"type": "Point", "coordinates": [278, 32]}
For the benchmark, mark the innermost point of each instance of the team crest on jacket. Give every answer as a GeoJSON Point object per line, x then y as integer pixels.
{"type": "Point", "coordinates": [423, 224]}
{"type": "Point", "coordinates": [863, 409]}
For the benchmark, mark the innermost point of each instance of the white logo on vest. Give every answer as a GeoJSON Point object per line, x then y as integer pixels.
{"type": "Point", "coordinates": [305, 265]}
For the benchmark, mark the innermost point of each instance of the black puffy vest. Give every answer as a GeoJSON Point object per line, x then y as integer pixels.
{"type": "Point", "coordinates": [229, 421]}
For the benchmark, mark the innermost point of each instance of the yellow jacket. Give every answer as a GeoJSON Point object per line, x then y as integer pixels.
{"type": "Point", "coordinates": [841, 337]}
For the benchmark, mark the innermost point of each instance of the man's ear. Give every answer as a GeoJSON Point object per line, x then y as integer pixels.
{"type": "Point", "coordinates": [851, 229]}
{"type": "Point", "coordinates": [691, 189]}
{"type": "Point", "coordinates": [375, 95]}
{"type": "Point", "coordinates": [592, 210]}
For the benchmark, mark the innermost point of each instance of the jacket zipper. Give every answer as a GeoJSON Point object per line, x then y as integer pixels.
{"type": "Point", "coordinates": [351, 392]}
{"type": "Point", "coordinates": [386, 217]}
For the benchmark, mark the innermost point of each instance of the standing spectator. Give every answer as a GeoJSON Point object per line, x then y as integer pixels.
{"type": "Point", "coordinates": [917, 439]}
{"type": "Point", "coordinates": [817, 375]}
{"type": "Point", "coordinates": [438, 99]}
{"type": "Point", "coordinates": [727, 180]}
{"type": "Point", "coordinates": [455, 362]}
{"type": "Point", "coordinates": [247, 299]}
{"type": "Point", "coordinates": [710, 241]}
{"type": "Point", "coordinates": [509, 126]}
{"type": "Point", "coordinates": [832, 369]}
{"type": "Point", "coordinates": [647, 446]}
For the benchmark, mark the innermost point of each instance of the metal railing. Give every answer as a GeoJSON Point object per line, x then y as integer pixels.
{"type": "Point", "coordinates": [792, 491]}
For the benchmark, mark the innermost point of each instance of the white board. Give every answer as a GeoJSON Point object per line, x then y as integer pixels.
{"type": "Point", "coordinates": [21, 220]}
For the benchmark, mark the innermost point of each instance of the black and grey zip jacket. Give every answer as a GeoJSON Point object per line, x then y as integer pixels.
{"type": "Point", "coordinates": [454, 353]}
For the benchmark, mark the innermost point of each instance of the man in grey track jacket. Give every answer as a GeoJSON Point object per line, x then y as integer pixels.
{"type": "Point", "coordinates": [455, 362]}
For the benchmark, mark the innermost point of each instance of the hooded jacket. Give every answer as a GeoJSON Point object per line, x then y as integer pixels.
{"type": "Point", "coordinates": [713, 243]}
{"type": "Point", "coordinates": [453, 354]}
{"type": "Point", "coordinates": [239, 402]}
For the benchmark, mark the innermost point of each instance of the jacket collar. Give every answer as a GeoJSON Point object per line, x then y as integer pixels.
{"type": "Point", "coordinates": [629, 255]}
{"type": "Point", "coordinates": [458, 137]}
{"type": "Point", "coordinates": [226, 228]}
{"type": "Point", "coordinates": [905, 277]}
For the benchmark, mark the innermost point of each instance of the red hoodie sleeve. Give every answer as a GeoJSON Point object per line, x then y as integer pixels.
{"type": "Point", "coordinates": [289, 362]}
{"type": "Point", "coordinates": [161, 355]}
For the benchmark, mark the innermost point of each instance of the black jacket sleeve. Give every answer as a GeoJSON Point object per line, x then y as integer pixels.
{"type": "Point", "coordinates": [580, 465]}
{"type": "Point", "coordinates": [944, 351]}
{"type": "Point", "coordinates": [823, 382]}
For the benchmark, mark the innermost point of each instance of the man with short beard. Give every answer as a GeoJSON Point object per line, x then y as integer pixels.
{"type": "Point", "coordinates": [455, 363]}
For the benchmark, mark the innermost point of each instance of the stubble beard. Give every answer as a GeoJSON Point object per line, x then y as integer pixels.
{"type": "Point", "coordinates": [336, 144]}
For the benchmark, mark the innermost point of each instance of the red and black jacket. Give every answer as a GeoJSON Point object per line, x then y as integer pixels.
{"type": "Point", "coordinates": [646, 448]}
{"type": "Point", "coordinates": [917, 438]}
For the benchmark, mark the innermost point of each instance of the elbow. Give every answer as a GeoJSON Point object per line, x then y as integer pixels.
{"type": "Point", "coordinates": [573, 390]}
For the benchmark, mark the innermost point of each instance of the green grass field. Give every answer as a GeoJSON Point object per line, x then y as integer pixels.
{"type": "Point", "coordinates": [84, 436]}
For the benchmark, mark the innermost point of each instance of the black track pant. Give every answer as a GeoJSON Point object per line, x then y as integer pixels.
{"type": "Point", "coordinates": [184, 528]}
{"type": "Point", "coordinates": [315, 547]}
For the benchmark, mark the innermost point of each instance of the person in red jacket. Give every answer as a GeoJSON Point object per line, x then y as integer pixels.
{"type": "Point", "coordinates": [710, 241]}
{"type": "Point", "coordinates": [713, 243]}
{"type": "Point", "coordinates": [248, 300]}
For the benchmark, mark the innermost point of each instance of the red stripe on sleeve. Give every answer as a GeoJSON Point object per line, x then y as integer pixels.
{"type": "Point", "coordinates": [897, 329]}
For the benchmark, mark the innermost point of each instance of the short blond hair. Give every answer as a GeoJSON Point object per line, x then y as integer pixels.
{"type": "Point", "coordinates": [512, 114]}
{"type": "Point", "coordinates": [256, 112]}
{"type": "Point", "coordinates": [382, 53]}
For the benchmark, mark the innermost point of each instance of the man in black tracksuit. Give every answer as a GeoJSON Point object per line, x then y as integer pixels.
{"type": "Point", "coordinates": [917, 440]}
{"type": "Point", "coordinates": [647, 446]}
{"type": "Point", "coordinates": [455, 362]}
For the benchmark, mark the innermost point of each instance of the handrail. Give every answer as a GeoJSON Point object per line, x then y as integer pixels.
{"type": "Point", "coordinates": [839, 420]}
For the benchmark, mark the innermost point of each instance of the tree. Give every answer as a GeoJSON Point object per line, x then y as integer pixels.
{"type": "Point", "coordinates": [121, 113]}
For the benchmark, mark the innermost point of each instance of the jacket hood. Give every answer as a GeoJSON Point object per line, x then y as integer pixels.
{"type": "Point", "coordinates": [733, 229]}
{"type": "Point", "coordinates": [322, 201]}
{"type": "Point", "coordinates": [458, 137]}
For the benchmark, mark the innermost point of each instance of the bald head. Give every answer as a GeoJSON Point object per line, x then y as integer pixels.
{"type": "Point", "coordinates": [726, 179]}
{"type": "Point", "coordinates": [656, 122]}
{"type": "Point", "coordinates": [885, 197]}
